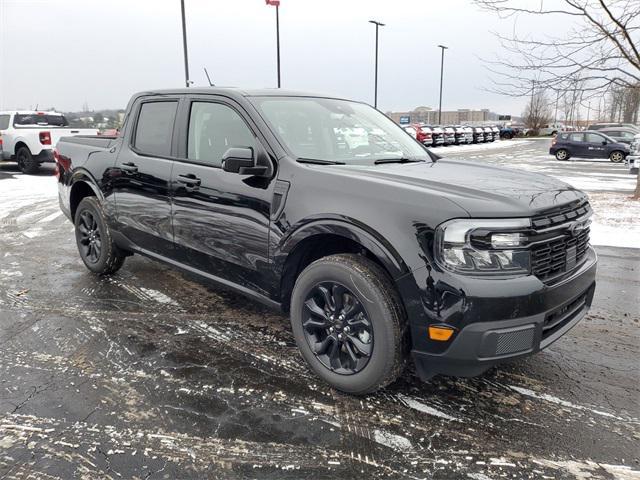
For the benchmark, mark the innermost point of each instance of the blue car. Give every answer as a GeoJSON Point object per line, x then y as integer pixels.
{"type": "Point", "coordinates": [587, 145]}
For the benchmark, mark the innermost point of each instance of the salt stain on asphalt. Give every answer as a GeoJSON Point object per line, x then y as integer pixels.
{"type": "Point", "coordinates": [421, 407]}
{"type": "Point", "coordinates": [550, 398]}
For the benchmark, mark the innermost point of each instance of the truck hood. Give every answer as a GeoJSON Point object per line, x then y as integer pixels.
{"type": "Point", "coordinates": [481, 190]}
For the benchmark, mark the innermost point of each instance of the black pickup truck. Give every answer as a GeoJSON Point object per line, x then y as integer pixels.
{"type": "Point", "coordinates": [328, 210]}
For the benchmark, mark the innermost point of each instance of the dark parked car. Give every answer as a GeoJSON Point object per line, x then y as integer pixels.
{"type": "Point", "coordinates": [620, 134]}
{"type": "Point", "coordinates": [478, 135]}
{"type": "Point", "coordinates": [437, 134]}
{"type": "Point", "coordinates": [376, 248]}
{"type": "Point", "coordinates": [459, 134]}
{"type": "Point", "coordinates": [587, 145]}
{"type": "Point", "coordinates": [449, 135]}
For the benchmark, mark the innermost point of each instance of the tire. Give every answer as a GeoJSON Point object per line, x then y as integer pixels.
{"type": "Point", "coordinates": [507, 136]}
{"type": "Point", "coordinates": [616, 156]}
{"type": "Point", "coordinates": [376, 334]}
{"type": "Point", "coordinates": [93, 238]}
{"type": "Point", "coordinates": [562, 155]}
{"type": "Point", "coordinates": [26, 163]}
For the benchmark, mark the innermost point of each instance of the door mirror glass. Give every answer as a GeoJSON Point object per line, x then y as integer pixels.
{"type": "Point", "coordinates": [604, 142]}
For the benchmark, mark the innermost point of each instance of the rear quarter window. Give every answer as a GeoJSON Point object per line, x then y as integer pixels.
{"type": "Point", "coordinates": [4, 122]}
{"type": "Point", "coordinates": [154, 129]}
{"type": "Point", "coordinates": [564, 136]}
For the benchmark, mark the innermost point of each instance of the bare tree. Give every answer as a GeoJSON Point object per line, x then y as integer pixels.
{"type": "Point", "coordinates": [601, 46]}
{"type": "Point", "coordinates": [537, 112]}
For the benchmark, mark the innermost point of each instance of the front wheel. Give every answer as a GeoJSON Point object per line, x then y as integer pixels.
{"type": "Point", "coordinates": [93, 237]}
{"type": "Point", "coordinates": [26, 162]}
{"type": "Point", "coordinates": [348, 323]}
{"type": "Point", "coordinates": [616, 156]}
{"type": "Point", "coordinates": [562, 154]}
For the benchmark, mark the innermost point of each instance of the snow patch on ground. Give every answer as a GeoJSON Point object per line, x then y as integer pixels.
{"type": "Point", "coordinates": [421, 407]}
{"type": "Point", "coordinates": [391, 440]}
{"type": "Point", "coordinates": [159, 296]}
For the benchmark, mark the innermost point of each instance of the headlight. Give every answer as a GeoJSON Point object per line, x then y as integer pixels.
{"type": "Point", "coordinates": [484, 247]}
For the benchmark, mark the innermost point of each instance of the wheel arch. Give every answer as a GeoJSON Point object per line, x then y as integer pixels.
{"type": "Point", "coordinates": [81, 186]}
{"type": "Point", "coordinates": [321, 238]}
{"type": "Point", "coordinates": [18, 145]}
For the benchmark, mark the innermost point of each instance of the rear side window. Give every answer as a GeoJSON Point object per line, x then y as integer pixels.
{"type": "Point", "coordinates": [41, 120]}
{"type": "Point", "coordinates": [155, 128]}
{"type": "Point", "coordinates": [594, 138]}
{"type": "Point", "coordinates": [4, 122]}
{"type": "Point", "coordinates": [564, 136]}
{"type": "Point", "coordinates": [576, 137]}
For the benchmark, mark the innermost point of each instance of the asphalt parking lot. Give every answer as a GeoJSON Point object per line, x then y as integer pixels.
{"type": "Point", "coordinates": [150, 374]}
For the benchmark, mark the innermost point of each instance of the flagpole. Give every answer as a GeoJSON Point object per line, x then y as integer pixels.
{"type": "Point", "coordinates": [278, 39]}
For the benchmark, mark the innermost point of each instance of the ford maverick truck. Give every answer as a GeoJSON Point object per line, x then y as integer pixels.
{"type": "Point", "coordinates": [379, 251]}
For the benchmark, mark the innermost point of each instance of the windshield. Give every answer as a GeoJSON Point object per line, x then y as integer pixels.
{"type": "Point", "coordinates": [40, 119]}
{"type": "Point", "coordinates": [337, 130]}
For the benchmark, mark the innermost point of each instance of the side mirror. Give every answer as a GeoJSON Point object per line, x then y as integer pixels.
{"type": "Point", "coordinates": [604, 142]}
{"type": "Point", "coordinates": [241, 160]}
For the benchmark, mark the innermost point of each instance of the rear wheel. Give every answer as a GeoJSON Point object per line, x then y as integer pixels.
{"type": "Point", "coordinates": [26, 162]}
{"type": "Point", "coordinates": [348, 323]}
{"type": "Point", "coordinates": [93, 237]}
{"type": "Point", "coordinates": [507, 136]}
{"type": "Point", "coordinates": [562, 154]}
{"type": "Point", "coordinates": [616, 156]}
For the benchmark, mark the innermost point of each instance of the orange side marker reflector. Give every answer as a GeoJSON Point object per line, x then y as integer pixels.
{"type": "Point", "coordinates": [441, 334]}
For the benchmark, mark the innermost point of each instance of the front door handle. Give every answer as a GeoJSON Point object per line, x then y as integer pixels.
{"type": "Point", "coordinates": [129, 167]}
{"type": "Point", "coordinates": [190, 180]}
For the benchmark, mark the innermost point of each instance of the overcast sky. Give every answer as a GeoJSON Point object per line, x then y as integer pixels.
{"type": "Point", "coordinates": [63, 53]}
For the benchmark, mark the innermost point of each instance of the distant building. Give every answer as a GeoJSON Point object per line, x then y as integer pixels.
{"type": "Point", "coordinates": [455, 117]}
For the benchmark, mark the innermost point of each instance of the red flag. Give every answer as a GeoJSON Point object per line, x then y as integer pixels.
{"type": "Point", "coordinates": [275, 3]}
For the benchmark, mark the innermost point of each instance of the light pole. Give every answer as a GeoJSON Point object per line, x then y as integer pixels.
{"type": "Point", "coordinates": [276, 3]}
{"type": "Point", "coordinates": [441, 77]}
{"type": "Point", "coordinates": [184, 46]}
{"type": "Point", "coordinates": [375, 88]}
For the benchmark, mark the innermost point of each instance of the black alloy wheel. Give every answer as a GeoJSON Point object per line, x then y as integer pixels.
{"type": "Point", "coordinates": [337, 328]}
{"type": "Point", "coordinates": [90, 240]}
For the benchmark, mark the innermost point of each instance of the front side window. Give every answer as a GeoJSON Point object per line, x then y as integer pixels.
{"type": "Point", "coordinates": [4, 122]}
{"type": "Point", "coordinates": [155, 128]}
{"type": "Point", "coordinates": [213, 129]}
{"type": "Point", "coordinates": [337, 130]}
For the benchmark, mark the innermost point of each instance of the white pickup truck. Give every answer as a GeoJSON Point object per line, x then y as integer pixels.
{"type": "Point", "coordinates": [29, 137]}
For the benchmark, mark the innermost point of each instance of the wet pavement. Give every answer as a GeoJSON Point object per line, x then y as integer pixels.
{"type": "Point", "coordinates": [151, 374]}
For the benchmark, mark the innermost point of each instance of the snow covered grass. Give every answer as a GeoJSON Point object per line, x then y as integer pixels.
{"type": "Point", "coordinates": [616, 220]}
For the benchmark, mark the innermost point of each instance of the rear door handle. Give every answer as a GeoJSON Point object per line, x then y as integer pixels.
{"type": "Point", "coordinates": [129, 167]}
{"type": "Point", "coordinates": [190, 180]}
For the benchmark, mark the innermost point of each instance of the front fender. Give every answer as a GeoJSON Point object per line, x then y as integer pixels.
{"type": "Point", "coordinates": [347, 228]}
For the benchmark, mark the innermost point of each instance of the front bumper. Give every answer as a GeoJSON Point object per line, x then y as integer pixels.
{"type": "Point", "coordinates": [499, 320]}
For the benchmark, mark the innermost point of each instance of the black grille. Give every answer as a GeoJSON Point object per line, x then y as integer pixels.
{"type": "Point", "coordinates": [561, 215]}
{"type": "Point", "coordinates": [560, 255]}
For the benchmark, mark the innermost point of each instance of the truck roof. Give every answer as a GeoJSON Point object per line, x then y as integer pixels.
{"type": "Point", "coordinates": [30, 112]}
{"type": "Point", "coordinates": [237, 92]}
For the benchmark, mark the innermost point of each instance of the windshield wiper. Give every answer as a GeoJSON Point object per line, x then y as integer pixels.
{"type": "Point", "coordinates": [396, 160]}
{"type": "Point", "coordinates": [319, 162]}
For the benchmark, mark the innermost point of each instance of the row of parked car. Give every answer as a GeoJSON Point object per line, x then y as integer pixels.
{"type": "Point", "coordinates": [436, 135]}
